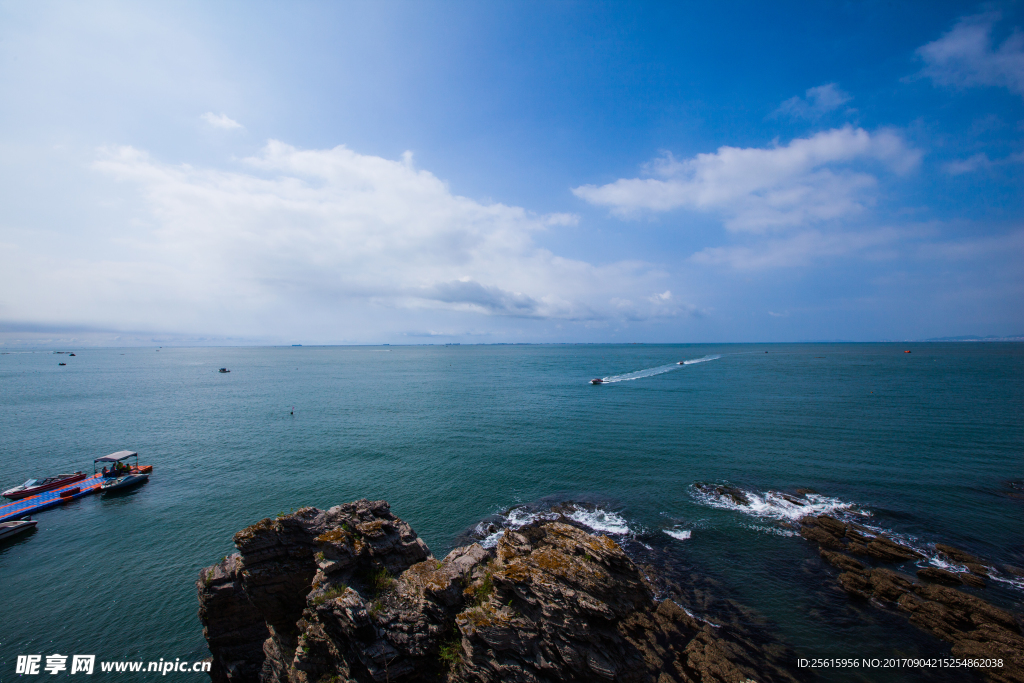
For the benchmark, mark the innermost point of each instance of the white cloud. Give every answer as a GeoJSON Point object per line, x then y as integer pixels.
{"type": "Point", "coordinates": [808, 181]}
{"type": "Point", "coordinates": [818, 101]}
{"type": "Point", "coordinates": [221, 121]}
{"type": "Point", "coordinates": [979, 162]}
{"type": "Point", "coordinates": [801, 249]}
{"type": "Point", "coordinates": [966, 57]}
{"type": "Point", "coordinates": [311, 235]}
{"type": "Point", "coordinates": [968, 165]}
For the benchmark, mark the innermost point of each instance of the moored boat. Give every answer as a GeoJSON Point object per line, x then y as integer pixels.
{"type": "Point", "coordinates": [122, 474]}
{"type": "Point", "coordinates": [34, 486]}
{"type": "Point", "coordinates": [127, 481]}
{"type": "Point", "coordinates": [8, 529]}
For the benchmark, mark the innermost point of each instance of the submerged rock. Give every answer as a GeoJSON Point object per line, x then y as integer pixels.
{"type": "Point", "coordinates": [956, 554]}
{"type": "Point", "coordinates": [352, 594]}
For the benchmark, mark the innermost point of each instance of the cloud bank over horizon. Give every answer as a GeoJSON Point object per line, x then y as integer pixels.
{"type": "Point", "coordinates": [324, 232]}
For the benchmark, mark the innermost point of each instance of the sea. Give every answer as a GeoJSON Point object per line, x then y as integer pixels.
{"type": "Point", "coordinates": [926, 445]}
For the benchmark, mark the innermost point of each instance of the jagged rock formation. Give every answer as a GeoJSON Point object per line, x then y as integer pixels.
{"type": "Point", "coordinates": [352, 594]}
{"type": "Point", "coordinates": [976, 628]}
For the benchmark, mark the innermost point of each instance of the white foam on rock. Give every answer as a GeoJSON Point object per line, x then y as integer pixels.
{"type": "Point", "coordinates": [601, 520]}
{"type": "Point", "coordinates": [1015, 582]}
{"type": "Point", "coordinates": [596, 520]}
{"type": "Point", "coordinates": [774, 504]}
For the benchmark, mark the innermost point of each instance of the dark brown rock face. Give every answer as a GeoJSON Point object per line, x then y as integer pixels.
{"type": "Point", "coordinates": [569, 606]}
{"type": "Point", "coordinates": [233, 627]}
{"type": "Point", "coordinates": [351, 594]}
{"type": "Point", "coordinates": [260, 594]}
{"type": "Point", "coordinates": [976, 628]}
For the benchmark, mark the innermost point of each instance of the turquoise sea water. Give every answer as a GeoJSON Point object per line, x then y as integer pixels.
{"type": "Point", "coordinates": [927, 442]}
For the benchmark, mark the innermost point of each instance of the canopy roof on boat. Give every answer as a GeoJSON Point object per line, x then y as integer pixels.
{"type": "Point", "coordinates": [115, 457]}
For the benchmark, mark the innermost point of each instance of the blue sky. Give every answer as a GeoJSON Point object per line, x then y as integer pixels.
{"type": "Point", "coordinates": [426, 172]}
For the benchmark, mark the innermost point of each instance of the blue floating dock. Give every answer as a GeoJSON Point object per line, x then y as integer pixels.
{"type": "Point", "coordinates": [48, 499]}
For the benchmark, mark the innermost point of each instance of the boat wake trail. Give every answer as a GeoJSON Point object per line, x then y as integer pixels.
{"type": "Point", "coordinates": [651, 372]}
{"type": "Point", "coordinates": [702, 359]}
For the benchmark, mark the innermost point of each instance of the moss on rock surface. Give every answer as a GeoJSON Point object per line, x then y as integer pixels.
{"type": "Point", "coordinates": [352, 594]}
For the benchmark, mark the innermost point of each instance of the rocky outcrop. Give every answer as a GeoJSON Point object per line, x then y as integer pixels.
{"type": "Point", "coordinates": [835, 534]}
{"type": "Point", "coordinates": [976, 628]}
{"type": "Point", "coordinates": [352, 594]}
{"type": "Point", "coordinates": [234, 629]}
{"type": "Point", "coordinates": [252, 603]}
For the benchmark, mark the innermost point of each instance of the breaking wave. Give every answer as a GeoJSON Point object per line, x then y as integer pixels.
{"type": "Point", "coordinates": [594, 519]}
{"type": "Point", "coordinates": [679, 534]}
{"type": "Point", "coordinates": [788, 509]}
{"type": "Point", "coordinates": [776, 505]}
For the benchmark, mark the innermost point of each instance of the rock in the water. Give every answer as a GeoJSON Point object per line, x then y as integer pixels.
{"type": "Point", "coordinates": [939, 576]}
{"type": "Point", "coordinates": [832, 525]}
{"type": "Point", "coordinates": [956, 554]}
{"type": "Point", "coordinates": [822, 537]}
{"type": "Point", "coordinates": [844, 562]}
{"type": "Point", "coordinates": [972, 580]}
{"type": "Point", "coordinates": [977, 629]}
{"type": "Point", "coordinates": [889, 585]}
{"type": "Point", "coordinates": [736, 495]}
{"type": "Point", "coordinates": [856, 583]}
{"type": "Point", "coordinates": [977, 569]}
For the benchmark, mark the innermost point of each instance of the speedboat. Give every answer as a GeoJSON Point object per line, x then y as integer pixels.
{"type": "Point", "coordinates": [122, 474]}
{"type": "Point", "coordinates": [34, 486]}
{"type": "Point", "coordinates": [123, 482]}
{"type": "Point", "coordinates": [597, 380]}
{"type": "Point", "coordinates": [223, 370]}
{"type": "Point", "coordinates": [8, 529]}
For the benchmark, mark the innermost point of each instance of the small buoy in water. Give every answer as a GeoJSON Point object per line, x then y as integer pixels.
{"type": "Point", "coordinates": [293, 410]}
